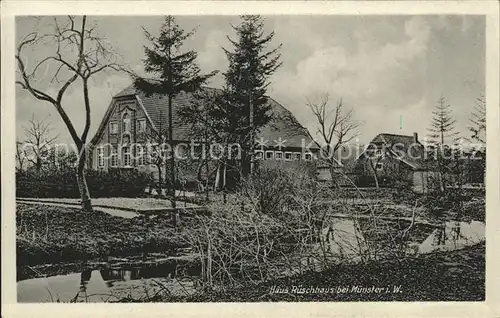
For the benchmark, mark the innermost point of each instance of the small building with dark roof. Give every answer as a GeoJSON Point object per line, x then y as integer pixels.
{"type": "Point", "coordinates": [386, 160]}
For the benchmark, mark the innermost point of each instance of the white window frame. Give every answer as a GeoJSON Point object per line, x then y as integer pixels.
{"type": "Point", "coordinates": [272, 154]}
{"type": "Point", "coordinates": [126, 155]}
{"type": "Point", "coordinates": [115, 125]}
{"type": "Point", "coordinates": [100, 157]}
{"type": "Point", "coordinates": [297, 156]}
{"type": "Point", "coordinates": [306, 155]}
{"type": "Point", "coordinates": [259, 155]}
{"type": "Point", "coordinates": [280, 153]}
{"type": "Point", "coordinates": [379, 168]}
{"type": "Point", "coordinates": [290, 154]}
{"type": "Point", "coordinates": [141, 123]}
{"type": "Point", "coordinates": [114, 158]}
{"type": "Point", "coordinates": [140, 156]}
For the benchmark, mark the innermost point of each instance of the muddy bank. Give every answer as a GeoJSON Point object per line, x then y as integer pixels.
{"type": "Point", "coordinates": [51, 235]}
{"type": "Point", "coordinates": [440, 276]}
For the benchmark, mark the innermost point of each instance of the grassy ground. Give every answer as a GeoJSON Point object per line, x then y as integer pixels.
{"type": "Point", "coordinates": [48, 234]}
{"type": "Point", "coordinates": [452, 276]}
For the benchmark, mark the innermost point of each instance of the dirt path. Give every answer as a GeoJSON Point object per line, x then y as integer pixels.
{"type": "Point", "coordinates": [113, 212]}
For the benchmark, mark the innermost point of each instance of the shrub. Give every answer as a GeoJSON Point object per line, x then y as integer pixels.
{"type": "Point", "coordinates": [62, 183]}
{"type": "Point", "coordinates": [272, 187]}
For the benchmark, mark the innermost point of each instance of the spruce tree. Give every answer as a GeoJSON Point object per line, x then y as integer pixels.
{"type": "Point", "coordinates": [478, 120]}
{"type": "Point", "coordinates": [172, 72]}
{"type": "Point", "coordinates": [442, 130]}
{"type": "Point", "coordinates": [477, 127]}
{"type": "Point", "coordinates": [251, 65]}
{"type": "Point", "coordinates": [442, 136]}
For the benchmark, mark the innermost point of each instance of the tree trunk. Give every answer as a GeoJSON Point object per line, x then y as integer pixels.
{"type": "Point", "coordinates": [375, 177]}
{"type": "Point", "coordinates": [159, 180]}
{"type": "Point", "coordinates": [171, 169]}
{"type": "Point", "coordinates": [38, 164]}
{"type": "Point", "coordinates": [82, 183]}
{"type": "Point", "coordinates": [224, 192]}
{"type": "Point", "coordinates": [217, 182]}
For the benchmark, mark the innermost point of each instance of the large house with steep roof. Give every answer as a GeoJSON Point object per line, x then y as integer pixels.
{"type": "Point", "coordinates": [132, 116]}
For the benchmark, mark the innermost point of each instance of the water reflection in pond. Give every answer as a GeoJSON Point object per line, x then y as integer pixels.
{"type": "Point", "coordinates": [453, 235]}
{"type": "Point", "coordinates": [104, 285]}
{"type": "Point", "coordinates": [354, 240]}
{"type": "Point", "coordinates": [345, 239]}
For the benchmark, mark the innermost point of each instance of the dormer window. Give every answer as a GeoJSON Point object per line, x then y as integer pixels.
{"type": "Point", "coordinates": [126, 123]}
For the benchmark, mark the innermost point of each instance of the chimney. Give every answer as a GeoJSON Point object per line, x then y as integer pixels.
{"type": "Point", "coordinates": [415, 137]}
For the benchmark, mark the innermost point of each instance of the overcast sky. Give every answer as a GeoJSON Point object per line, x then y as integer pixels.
{"type": "Point", "coordinates": [390, 69]}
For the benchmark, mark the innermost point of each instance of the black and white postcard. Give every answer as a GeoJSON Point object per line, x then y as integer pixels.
{"type": "Point", "coordinates": [193, 154]}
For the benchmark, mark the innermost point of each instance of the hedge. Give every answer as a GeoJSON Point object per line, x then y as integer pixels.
{"type": "Point", "coordinates": [62, 183]}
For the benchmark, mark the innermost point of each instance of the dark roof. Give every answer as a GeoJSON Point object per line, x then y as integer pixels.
{"type": "Point", "coordinates": [283, 124]}
{"type": "Point", "coordinates": [411, 151]}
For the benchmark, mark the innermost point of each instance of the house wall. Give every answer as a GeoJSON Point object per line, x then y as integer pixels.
{"type": "Point", "coordinates": [109, 140]}
{"type": "Point", "coordinates": [421, 180]}
{"type": "Point", "coordinates": [391, 168]}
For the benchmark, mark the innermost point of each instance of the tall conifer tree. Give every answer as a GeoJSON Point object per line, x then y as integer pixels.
{"type": "Point", "coordinates": [251, 65]}
{"type": "Point", "coordinates": [442, 130]}
{"type": "Point", "coordinates": [478, 120]}
{"type": "Point", "coordinates": [173, 72]}
{"type": "Point", "coordinates": [442, 137]}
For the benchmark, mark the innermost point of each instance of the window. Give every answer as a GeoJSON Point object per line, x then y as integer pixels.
{"type": "Point", "coordinates": [113, 127]}
{"type": "Point", "coordinates": [126, 139]}
{"type": "Point", "coordinates": [126, 123]}
{"type": "Point", "coordinates": [297, 156]}
{"type": "Point", "coordinates": [288, 156]}
{"type": "Point", "coordinates": [114, 158]}
{"type": "Point", "coordinates": [278, 155]}
{"type": "Point", "coordinates": [259, 155]}
{"type": "Point", "coordinates": [269, 154]}
{"type": "Point", "coordinates": [308, 156]}
{"type": "Point", "coordinates": [140, 156]}
{"type": "Point", "coordinates": [126, 156]}
{"type": "Point", "coordinates": [141, 125]}
{"type": "Point", "coordinates": [379, 166]}
{"type": "Point", "coordinates": [100, 157]}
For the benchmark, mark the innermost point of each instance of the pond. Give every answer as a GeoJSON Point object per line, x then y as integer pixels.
{"type": "Point", "coordinates": [103, 285]}
{"type": "Point", "coordinates": [344, 240]}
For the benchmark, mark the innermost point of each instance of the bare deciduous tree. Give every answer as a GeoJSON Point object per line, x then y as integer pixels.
{"type": "Point", "coordinates": [20, 156]}
{"type": "Point", "coordinates": [79, 54]}
{"type": "Point", "coordinates": [336, 127]}
{"type": "Point", "coordinates": [38, 137]}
